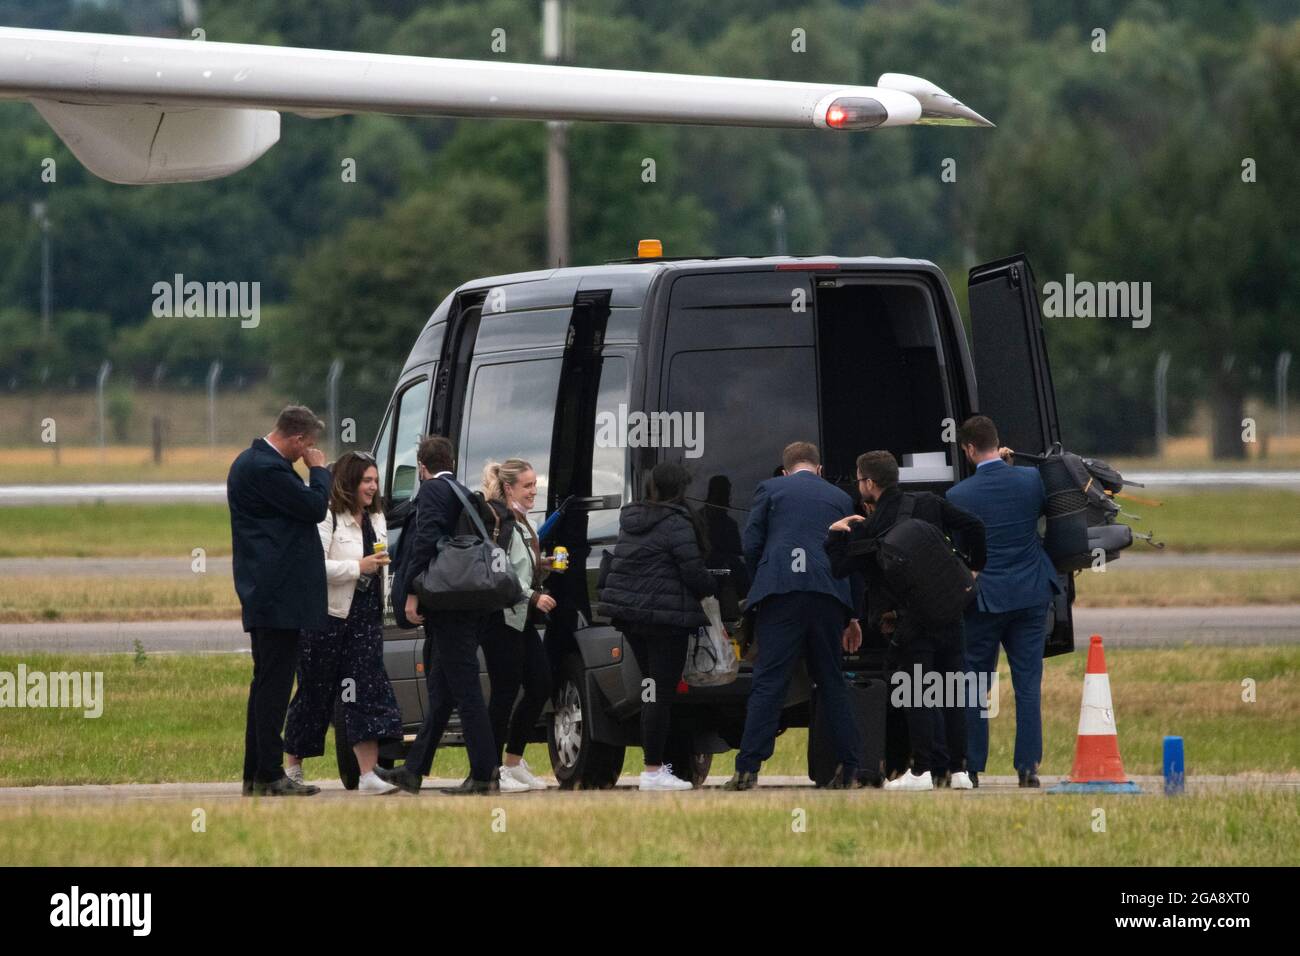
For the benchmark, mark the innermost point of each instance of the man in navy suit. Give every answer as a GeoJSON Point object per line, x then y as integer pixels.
{"type": "Point", "coordinates": [802, 608]}
{"type": "Point", "coordinates": [1015, 591]}
{"type": "Point", "coordinates": [279, 572]}
{"type": "Point", "coordinates": [452, 670]}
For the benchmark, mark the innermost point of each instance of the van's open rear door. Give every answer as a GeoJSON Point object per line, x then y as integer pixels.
{"type": "Point", "coordinates": [1014, 383]}
{"type": "Point", "coordinates": [1012, 374]}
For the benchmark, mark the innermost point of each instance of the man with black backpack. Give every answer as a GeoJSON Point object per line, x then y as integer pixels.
{"type": "Point", "coordinates": [453, 671]}
{"type": "Point", "coordinates": [917, 590]}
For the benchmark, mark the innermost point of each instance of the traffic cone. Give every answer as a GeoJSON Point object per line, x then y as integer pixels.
{"type": "Point", "coordinates": [1097, 765]}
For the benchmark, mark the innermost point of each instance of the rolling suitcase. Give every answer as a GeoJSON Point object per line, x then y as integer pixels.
{"type": "Point", "coordinates": [868, 698]}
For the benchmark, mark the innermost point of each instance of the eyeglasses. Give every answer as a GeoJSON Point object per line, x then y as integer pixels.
{"type": "Point", "coordinates": [365, 456]}
{"type": "Point", "coordinates": [861, 480]}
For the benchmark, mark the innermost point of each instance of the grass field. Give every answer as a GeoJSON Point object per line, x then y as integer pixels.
{"type": "Point", "coordinates": [1120, 586]}
{"type": "Point", "coordinates": [113, 530]}
{"type": "Point", "coordinates": [1240, 520]}
{"type": "Point", "coordinates": [181, 719]}
{"type": "Point", "coordinates": [118, 463]}
{"type": "Point", "coordinates": [1257, 520]}
{"type": "Point", "coordinates": [1193, 452]}
{"type": "Point", "coordinates": [863, 828]}
{"type": "Point", "coordinates": [202, 597]}
{"type": "Point", "coordinates": [78, 460]}
{"type": "Point", "coordinates": [1247, 520]}
{"type": "Point", "coordinates": [212, 596]}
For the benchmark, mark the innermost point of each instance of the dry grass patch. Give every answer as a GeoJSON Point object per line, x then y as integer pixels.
{"type": "Point", "coordinates": [1121, 586]}
{"type": "Point", "coordinates": [204, 596]}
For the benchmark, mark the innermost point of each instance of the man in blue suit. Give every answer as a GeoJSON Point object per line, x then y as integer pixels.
{"type": "Point", "coordinates": [802, 608]}
{"type": "Point", "coordinates": [279, 570]}
{"type": "Point", "coordinates": [1014, 595]}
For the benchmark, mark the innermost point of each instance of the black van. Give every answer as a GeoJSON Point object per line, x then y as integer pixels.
{"type": "Point", "coordinates": [558, 366]}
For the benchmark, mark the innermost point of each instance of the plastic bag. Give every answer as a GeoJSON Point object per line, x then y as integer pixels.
{"type": "Point", "coordinates": [710, 658]}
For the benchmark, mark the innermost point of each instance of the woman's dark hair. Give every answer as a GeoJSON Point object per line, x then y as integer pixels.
{"type": "Point", "coordinates": [348, 472]}
{"type": "Point", "coordinates": [668, 483]}
{"type": "Point", "coordinates": [667, 486]}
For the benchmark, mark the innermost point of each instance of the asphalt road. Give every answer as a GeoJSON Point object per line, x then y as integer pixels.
{"type": "Point", "coordinates": [153, 492]}
{"type": "Point", "coordinates": [331, 789]}
{"type": "Point", "coordinates": [177, 567]}
{"type": "Point", "coordinates": [1120, 627]}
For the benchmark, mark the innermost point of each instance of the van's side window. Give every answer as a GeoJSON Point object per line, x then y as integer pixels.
{"type": "Point", "coordinates": [411, 414]}
{"type": "Point", "coordinates": [512, 415]}
{"type": "Point", "coordinates": [383, 455]}
{"type": "Point", "coordinates": [608, 458]}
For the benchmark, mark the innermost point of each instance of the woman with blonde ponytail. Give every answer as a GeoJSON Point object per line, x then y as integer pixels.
{"type": "Point", "coordinates": [513, 650]}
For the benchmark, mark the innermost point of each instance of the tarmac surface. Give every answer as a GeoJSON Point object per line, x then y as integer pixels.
{"type": "Point", "coordinates": [332, 789]}
{"type": "Point", "coordinates": [1120, 627]}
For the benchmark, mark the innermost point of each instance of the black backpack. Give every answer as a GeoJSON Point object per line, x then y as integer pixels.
{"type": "Point", "coordinates": [921, 570]}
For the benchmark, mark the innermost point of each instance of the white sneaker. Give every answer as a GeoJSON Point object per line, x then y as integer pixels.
{"type": "Point", "coordinates": [370, 783]}
{"type": "Point", "coordinates": [961, 781]}
{"type": "Point", "coordinates": [663, 779]}
{"type": "Point", "coordinates": [294, 772]}
{"type": "Point", "coordinates": [511, 783]}
{"type": "Point", "coordinates": [524, 773]}
{"type": "Point", "coordinates": [910, 781]}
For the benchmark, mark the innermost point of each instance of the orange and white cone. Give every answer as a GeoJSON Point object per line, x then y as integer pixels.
{"type": "Point", "coordinates": [1097, 764]}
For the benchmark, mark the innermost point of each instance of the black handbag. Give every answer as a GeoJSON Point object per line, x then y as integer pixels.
{"type": "Point", "coordinates": [468, 572]}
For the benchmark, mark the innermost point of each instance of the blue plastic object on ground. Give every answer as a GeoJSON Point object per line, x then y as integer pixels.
{"type": "Point", "coordinates": [1174, 771]}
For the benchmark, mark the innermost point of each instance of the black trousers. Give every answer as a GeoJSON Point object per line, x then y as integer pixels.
{"type": "Point", "coordinates": [275, 657]}
{"type": "Point", "coordinates": [662, 658]}
{"type": "Point", "coordinates": [452, 676]}
{"type": "Point", "coordinates": [515, 659]}
{"type": "Point", "coordinates": [935, 650]}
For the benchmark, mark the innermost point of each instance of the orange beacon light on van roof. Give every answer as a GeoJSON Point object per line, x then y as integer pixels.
{"type": "Point", "coordinates": [649, 249]}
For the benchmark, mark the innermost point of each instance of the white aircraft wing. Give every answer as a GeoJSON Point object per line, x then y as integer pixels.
{"type": "Point", "coordinates": [148, 110]}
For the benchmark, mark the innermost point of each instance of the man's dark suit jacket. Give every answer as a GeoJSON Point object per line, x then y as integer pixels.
{"type": "Point", "coordinates": [788, 513]}
{"type": "Point", "coordinates": [964, 529]}
{"type": "Point", "coordinates": [278, 562]}
{"type": "Point", "coordinates": [1009, 500]}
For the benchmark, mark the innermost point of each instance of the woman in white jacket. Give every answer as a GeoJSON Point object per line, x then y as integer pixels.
{"type": "Point", "coordinates": [347, 658]}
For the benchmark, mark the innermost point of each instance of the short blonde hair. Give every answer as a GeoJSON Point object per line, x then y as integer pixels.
{"type": "Point", "coordinates": [496, 475]}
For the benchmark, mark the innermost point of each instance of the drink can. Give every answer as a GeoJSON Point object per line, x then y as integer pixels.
{"type": "Point", "coordinates": [560, 559]}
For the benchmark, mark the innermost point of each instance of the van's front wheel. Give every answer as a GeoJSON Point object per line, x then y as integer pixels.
{"type": "Point", "coordinates": [579, 762]}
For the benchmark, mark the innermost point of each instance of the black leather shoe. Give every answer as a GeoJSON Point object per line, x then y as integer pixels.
{"type": "Point", "coordinates": [843, 781]}
{"type": "Point", "coordinates": [248, 788]}
{"type": "Point", "coordinates": [1028, 779]}
{"type": "Point", "coordinates": [284, 787]}
{"type": "Point", "coordinates": [400, 777]}
{"type": "Point", "coordinates": [741, 781]}
{"type": "Point", "coordinates": [974, 778]}
{"type": "Point", "coordinates": [470, 788]}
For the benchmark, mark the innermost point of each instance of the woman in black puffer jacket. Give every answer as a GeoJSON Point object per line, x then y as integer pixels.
{"type": "Point", "coordinates": [652, 593]}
